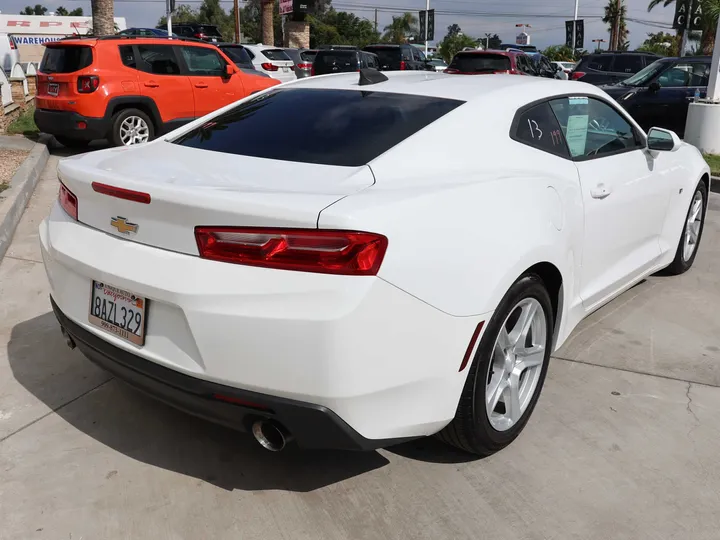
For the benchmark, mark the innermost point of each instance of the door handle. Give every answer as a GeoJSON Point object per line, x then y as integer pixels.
{"type": "Point", "coordinates": [152, 84]}
{"type": "Point", "coordinates": [600, 192]}
{"type": "Point", "coordinates": [201, 85]}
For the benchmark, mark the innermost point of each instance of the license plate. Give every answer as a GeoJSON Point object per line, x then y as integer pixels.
{"type": "Point", "coordinates": [53, 89]}
{"type": "Point", "coordinates": [119, 312]}
{"type": "Point", "coordinates": [285, 69]}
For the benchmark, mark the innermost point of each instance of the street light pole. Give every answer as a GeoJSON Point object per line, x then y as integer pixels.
{"type": "Point", "coordinates": [427, 21]}
{"type": "Point", "coordinates": [575, 18]}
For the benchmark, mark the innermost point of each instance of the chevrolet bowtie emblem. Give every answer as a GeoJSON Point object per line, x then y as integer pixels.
{"type": "Point", "coordinates": [123, 225]}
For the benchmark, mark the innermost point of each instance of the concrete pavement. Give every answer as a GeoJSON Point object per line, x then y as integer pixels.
{"type": "Point", "coordinates": [609, 453]}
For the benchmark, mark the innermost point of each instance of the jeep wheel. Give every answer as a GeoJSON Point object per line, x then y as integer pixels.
{"type": "Point", "coordinates": [131, 126]}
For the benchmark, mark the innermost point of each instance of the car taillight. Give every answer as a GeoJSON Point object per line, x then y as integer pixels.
{"type": "Point", "coordinates": [86, 84]}
{"type": "Point", "coordinates": [312, 71]}
{"type": "Point", "coordinates": [267, 66]}
{"type": "Point", "coordinates": [307, 250]}
{"type": "Point", "coordinates": [121, 193]}
{"type": "Point", "coordinates": [13, 46]}
{"type": "Point", "coordinates": [577, 75]}
{"type": "Point", "coordinates": [403, 65]}
{"type": "Point", "coordinates": [304, 65]}
{"type": "Point", "coordinates": [68, 201]}
{"type": "Point", "coordinates": [199, 35]}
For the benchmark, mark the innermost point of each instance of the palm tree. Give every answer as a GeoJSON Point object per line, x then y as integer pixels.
{"type": "Point", "coordinates": [103, 17]}
{"type": "Point", "coordinates": [400, 28]}
{"type": "Point", "coordinates": [615, 13]}
{"type": "Point", "coordinates": [268, 30]}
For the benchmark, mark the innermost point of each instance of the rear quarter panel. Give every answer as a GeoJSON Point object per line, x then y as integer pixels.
{"type": "Point", "coordinates": [464, 224]}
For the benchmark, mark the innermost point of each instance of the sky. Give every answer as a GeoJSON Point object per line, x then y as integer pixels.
{"type": "Point", "coordinates": [475, 17]}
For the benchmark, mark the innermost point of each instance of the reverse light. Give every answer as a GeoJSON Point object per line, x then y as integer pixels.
{"type": "Point", "coordinates": [121, 193]}
{"type": "Point", "coordinates": [68, 201]}
{"type": "Point", "coordinates": [577, 75]}
{"type": "Point", "coordinates": [267, 66]}
{"type": "Point", "coordinates": [347, 253]}
{"type": "Point", "coordinates": [87, 84]}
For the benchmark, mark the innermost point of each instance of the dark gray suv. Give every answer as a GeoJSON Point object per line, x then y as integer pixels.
{"type": "Point", "coordinates": [611, 67]}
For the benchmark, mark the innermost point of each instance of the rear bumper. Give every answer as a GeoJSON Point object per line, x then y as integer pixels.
{"type": "Point", "coordinates": [383, 361]}
{"type": "Point", "coordinates": [65, 124]}
{"type": "Point", "coordinates": [312, 426]}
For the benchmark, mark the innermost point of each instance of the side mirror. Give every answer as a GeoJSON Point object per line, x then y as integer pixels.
{"type": "Point", "coordinates": [663, 140]}
{"type": "Point", "coordinates": [229, 70]}
{"type": "Point", "coordinates": [654, 86]}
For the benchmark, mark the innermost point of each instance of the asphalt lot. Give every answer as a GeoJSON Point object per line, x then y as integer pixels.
{"type": "Point", "coordinates": [623, 444]}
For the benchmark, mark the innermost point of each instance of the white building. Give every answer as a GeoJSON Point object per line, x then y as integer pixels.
{"type": "Point", "coordinates": [30, 31]}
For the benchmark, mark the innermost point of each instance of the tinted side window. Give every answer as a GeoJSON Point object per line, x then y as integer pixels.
{"type": "Point", "coordinates": [127, 55]}
{"type": "Point", "coordinates": [538, 127]}
{"type": "Point", "coordinates": [627, 64]}
{"type": "Point", "coordinates": [683, 74]}
{"type": "Point", "coordinates": [323, 126]}
{"type": "Point", "coordinates": [202, 61]}
{"type": "Point", "coordinates": [592, 128]}
{"type": "Point", "coordinates": [405, 53]}
{"type": "Point", "coordinates": [158, 59]}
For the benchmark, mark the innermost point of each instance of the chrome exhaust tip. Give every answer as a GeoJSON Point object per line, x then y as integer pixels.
{"type": "Point", "coordinates": [271, 436]}
{"type": "Point", "coordinates": [69, 341]}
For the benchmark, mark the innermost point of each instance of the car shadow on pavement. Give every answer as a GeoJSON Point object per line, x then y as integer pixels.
{"type": "Point", "coordinates": [148, 431]}
{"type": "Point", "coordinates": [432, 450]}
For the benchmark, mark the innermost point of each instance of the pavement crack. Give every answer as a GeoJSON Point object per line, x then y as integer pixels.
{"type": "Point", "coordinates": [688, 407]}
{"type": "Point", "coordinates": [55, 409]}
{"type": "Point", "coordinates": [22, 259]}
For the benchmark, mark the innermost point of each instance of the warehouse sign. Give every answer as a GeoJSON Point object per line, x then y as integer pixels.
{"type": "Point", "coordinates": [36, 25]}
{"type": "Point", "coordinates": [34, 40]}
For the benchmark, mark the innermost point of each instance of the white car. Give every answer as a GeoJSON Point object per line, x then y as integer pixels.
{"type": "Point", "coordinates": [565, 69]}
{"type": "Point", "coordinates": [9, 55]}
{"type": "Point", "coordinates": [312, 282]}
{"type": "Point", "coordinates": [272, 61]}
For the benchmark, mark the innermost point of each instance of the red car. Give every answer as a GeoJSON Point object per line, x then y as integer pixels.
{"type": "Point", "coordinates": [483, 62]}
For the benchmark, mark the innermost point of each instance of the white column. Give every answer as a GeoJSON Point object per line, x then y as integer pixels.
{"type": "Point", "coordinates": [713, 91]}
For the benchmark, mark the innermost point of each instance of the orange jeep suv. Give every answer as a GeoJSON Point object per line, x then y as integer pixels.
{"type": "Point", "coordinates": [131, 89]}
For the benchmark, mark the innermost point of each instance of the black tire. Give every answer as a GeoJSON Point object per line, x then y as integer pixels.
{"type": "Point", "coordinates": [120, 117]}
{"type": "Point", "coordinates": [471, 429]}
{"type": "Point", "coordinates": [71, 143]}
{"type": "Point", "coordinates": [680, 265]}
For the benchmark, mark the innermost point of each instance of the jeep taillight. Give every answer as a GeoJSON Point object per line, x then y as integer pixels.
{"type": "Point", "coordinates": [87, 84]}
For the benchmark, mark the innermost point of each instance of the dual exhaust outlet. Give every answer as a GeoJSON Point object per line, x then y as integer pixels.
{"type": "Point", "coordinates": [269, 434]}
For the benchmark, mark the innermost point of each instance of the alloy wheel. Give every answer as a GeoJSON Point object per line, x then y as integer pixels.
{"type": "Point", "coordinates": [516, 364]}
{"type": "Point", "coordinates": [134, 130]}
{"type": "Point", "coordinates": [693, 226]}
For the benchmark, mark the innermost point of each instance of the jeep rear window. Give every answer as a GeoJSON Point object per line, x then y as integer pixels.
{"type": "Point", "coordinates": [480, 63]}
{"type": "Point", "coordinates": [322, 126]}
{"type": "Point", "coordinates": [66, 59]}
{"type": "Point", "coordinates": [209, 31]}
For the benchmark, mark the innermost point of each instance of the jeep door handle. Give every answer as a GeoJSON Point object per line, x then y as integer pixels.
{"type": "Point", "coordinates": [201, 85]}
{"type": "Point", "coordinates": [152, 84]}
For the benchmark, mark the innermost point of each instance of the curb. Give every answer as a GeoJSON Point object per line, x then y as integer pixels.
{"type": "Point", "coordinates": [22, 186]}
{"type": "Point", "coordinates": [715, 184]}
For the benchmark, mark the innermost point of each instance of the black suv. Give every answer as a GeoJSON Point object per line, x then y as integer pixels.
{"type": "Point", "coordinates": [206, 32]}
{"type": "Point", "coordinates": [343, 61]}
{"type": "Point", "coordinates": [400, 57]}
{"type": "Point", "coordinates": [611, 67]}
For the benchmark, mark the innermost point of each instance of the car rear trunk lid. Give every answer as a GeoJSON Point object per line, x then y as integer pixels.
{"type": "Point", "coordinates": [226, 190]}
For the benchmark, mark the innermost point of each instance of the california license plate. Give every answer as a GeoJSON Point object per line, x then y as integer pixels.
{"type": "Point", "coordinates": [53, 89]}
{"type": "Point", "coordinates": [119, 312]}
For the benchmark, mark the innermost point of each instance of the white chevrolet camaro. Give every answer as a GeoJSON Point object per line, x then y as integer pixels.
{"type": "Point", "coordinates": [324, 281]}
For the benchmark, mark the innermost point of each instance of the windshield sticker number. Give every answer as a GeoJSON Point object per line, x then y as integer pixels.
{"type": "Point", "coordinates": [535, 129]}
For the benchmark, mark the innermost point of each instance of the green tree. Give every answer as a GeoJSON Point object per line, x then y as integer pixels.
{"type": "Point", "coordinates": [454, 30]}
{"type": "Point", "coordinates": [662, 44]}
{"type": "Point", "coordinates": [37, 10]}
{"type": "Point", "coordinates": [401, 28]}
{"type": "Point", "coordinates": [559, 53]}
{"type": "Point", "coordinates": [493, 42]}
{"type": "Point", "coordinates": [341, 28]}
{"type": "Point", "coordinates": [452, 44]}
{"type": "Point", "coordinates": [62, 12]}
{"type": "Point", "coordinates": [614, 17]}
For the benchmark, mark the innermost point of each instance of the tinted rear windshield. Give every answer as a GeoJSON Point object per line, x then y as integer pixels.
{"type": "Point", "coordinates": [237, 54]}
{"type": "Point", "coordinates": [276, 54]}
{"type": "Point", "coordinates": [386, 55]}
{"type": "Point", "coordinates": [323, 126]}
{"type": "Point", "coordinates": [66, 59]}
{"type": "Point", "coordinates": [479, 63]}
{"type": "Point", "coordinates": [327, 61]}
{"type": "Point", "coordinates": [308, 56]}
{"type": "Point", "coordinates": [209, 30]}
